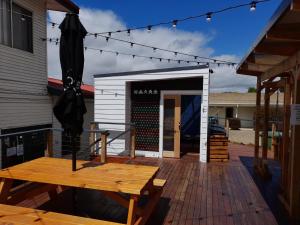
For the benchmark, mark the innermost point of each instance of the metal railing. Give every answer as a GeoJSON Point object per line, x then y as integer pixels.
{"type": "Point", "coordinates": [54, 142]}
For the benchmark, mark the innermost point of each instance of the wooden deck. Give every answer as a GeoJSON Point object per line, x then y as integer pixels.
{"type": "Point", "coordinates": [195, 193]}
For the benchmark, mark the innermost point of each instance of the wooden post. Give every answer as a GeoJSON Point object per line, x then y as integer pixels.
{"type": "Point", "coordinates": [257, 121]}
{"type": "Point", "coordinates": [92, 138]}
{"type": "Point", "coordinates": [266, 125]}
{"type": "Point", "coordinates": [295, 160]}
{"type": "Point", "coordinates": [104, 146]}
{"type": "Point", "coordinates": [274, 142]}
{"type": "Point", "coordinates": [286, 138]}
{"type": "Point", "coordinates": [49, 150]}
{"type": "Point", "coordinates": [132, 142]}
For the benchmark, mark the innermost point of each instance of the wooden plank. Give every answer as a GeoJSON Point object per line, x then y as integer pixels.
{"type": "Point", "coordinates": [5, 186]}
{"type": "Point", "coordinates": [131, 218]}
{"type": "Point", "coordinates": [21, 216]}
{"type": "Point", "coordinates": [287, 65]}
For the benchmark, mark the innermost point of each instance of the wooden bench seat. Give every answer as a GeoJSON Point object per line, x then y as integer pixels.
{"type": "Point", "coordinates": [25, 216]}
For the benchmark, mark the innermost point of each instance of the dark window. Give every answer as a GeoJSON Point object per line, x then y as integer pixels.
{"type": "Point", "coordinates": [5, 22]}
{"type": "Point", "coordinates": [229, 112]}
{"type": "Point", "coordinates": [22, 28]}
{"type": "Point", "coordinates": [15, 26]}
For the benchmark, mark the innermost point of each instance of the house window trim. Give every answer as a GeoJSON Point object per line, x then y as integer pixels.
{"type": "Point", "coordinates": [12, 28]}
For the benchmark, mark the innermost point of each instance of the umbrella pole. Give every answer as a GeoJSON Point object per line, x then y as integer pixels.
{"type": "Point", "coordinates": [74, 153]}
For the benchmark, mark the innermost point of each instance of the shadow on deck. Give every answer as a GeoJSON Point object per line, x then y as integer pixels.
{"type": "Point", "coordinates": [195, 193]}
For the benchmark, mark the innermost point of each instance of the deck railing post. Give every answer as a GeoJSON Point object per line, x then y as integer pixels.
{"type": "Point", "coordinates": [49, 150]}
{"type": "Point", "coordinates": [132, 142]}
{"type": "Point", "coordinates": [104, 136]}
{"type": "Point", "coordinates": [92, 138]}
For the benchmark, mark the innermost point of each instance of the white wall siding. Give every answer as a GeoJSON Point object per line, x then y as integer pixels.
{"type": "Point", "coordinates": [111, 101]}
{"type": "Point", "coordinates": [23, 77]}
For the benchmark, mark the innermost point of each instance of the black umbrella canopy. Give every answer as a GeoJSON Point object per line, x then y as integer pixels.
{"type": "Point", "coordinates": [70, 107]}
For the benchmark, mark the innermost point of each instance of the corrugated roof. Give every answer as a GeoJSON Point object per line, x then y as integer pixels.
{"type": "Point", "coordinates": [57, 85]}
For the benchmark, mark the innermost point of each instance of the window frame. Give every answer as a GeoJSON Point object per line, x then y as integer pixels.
{"type": "Point", "coordinates": [12, 2]}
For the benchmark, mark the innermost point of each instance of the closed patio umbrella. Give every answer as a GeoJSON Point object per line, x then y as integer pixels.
{"type": "Point", "coordinates": [70, 107]}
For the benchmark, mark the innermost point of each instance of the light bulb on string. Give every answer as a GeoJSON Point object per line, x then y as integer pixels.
{"type": "Point", "coordinates": [178, 61]}
{"type": "Point", "coordinates": [133, 56]}
{"type": "Point", "coordinates": [128, 32]}
{"type": "Point", "coordinates": [253, 6]}
{"type": "Point", "coordinates": [117, 53]}
{"type": "Point", "coordinates": [175, 53]}
{"type": "Point", "coordinates": [107, 39]}
{"type": "Point", "coordinates": [154, 49]}
{"type": "Point", "coordinates": [195, 57]}
{"type": "Point", "coordinates": [208, 17]}
{"type": "Point", "coordinates": [131, 45]}
{"type": "Point", "coordinates": [53, 25]}
{"type": "Point", "coordinates": [109, 34]}
{"type": "Point", "coordinates": [95, 35]}
{"type": "Point", "coordinates": [101, 51]}
{"type": "Point", "coordinates": [169, 60]}
{"type": "Point", "coordinates": [149, 28]}
{"type": "Point", "coordinates": [174, 23]}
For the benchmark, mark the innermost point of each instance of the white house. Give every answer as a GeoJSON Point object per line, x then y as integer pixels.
{"type": "Point", "coordinates": [24, 101]}
{"type": "Point", "coordinates": [169, 108]}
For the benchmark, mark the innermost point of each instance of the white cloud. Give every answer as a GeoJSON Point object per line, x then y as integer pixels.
{"type": "Point", "coordinates": [224, 78]}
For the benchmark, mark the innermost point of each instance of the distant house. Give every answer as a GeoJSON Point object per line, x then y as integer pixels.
{"type": "Point", "coordinates": [24, 101]}
{"type": "Point", "coordinates": [61, 141]}
{"type": "Point", "coordinates": [169, 108]}
{"type": "Point", "coordinates": [242, 106]}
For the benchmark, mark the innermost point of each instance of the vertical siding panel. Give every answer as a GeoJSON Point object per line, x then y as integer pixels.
{"type": "Point", "coordinates": [23, 77]}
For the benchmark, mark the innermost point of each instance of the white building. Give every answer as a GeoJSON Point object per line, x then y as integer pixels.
{"type": "Point", "coordinates": [168, 106]}
{"type": "Point", "coordinates": [24, 101]}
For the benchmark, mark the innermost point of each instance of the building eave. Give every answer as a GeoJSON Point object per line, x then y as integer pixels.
{"type": "Point", "coordinates": [62, 5]}
{"type": "Point", "coordinates": [279, 41]}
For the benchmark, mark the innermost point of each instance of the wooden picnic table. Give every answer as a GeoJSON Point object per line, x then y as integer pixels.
{"type": "Point", "coordinates": [111, 179]}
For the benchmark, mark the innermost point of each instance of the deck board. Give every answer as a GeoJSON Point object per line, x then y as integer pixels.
{"type": "Point", "coordinates": [195, 193]}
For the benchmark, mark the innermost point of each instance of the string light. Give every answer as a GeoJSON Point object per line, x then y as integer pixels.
{"type": "Point", "coordinates": [165, 50]}
{"type": "Point", "coordinates": [96, 35]}
{"type": "Point", "coordinates": [117, 53]}
{"type": "Point", "coordinates": [128, 32]}
{"type": "Point", "coordinates": [253, 6]}
{"type": "Point", "coordinates": [174, 23]}
{"type": "Point", "coordinates": [208, 17]}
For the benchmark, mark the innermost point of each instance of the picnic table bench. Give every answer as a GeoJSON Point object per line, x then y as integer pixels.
{"type": "Point", "coordinates": [111, 179]}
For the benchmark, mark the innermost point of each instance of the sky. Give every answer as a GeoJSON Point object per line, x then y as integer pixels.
{"type": "Point", "coordinates": [228, 36]}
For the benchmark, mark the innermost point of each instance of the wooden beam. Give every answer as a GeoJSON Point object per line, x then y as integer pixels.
{"type": "Point", "coordinates": [282, 48]}
{"type": "Point", "coordinates": [285, 66]}
{"type": "Point", "coordinates": [296, 5]}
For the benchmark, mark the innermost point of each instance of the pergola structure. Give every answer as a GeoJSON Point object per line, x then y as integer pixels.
{"type": "Point", "coordinates": [274, 60]}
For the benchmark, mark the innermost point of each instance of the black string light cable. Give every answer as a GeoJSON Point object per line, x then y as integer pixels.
{"type": "Point", "coordinates": [208, 15]}
{"type": "Point", "coordinates": [176, 53]}
{"type": "Point", "coordinates": [160, 59]}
